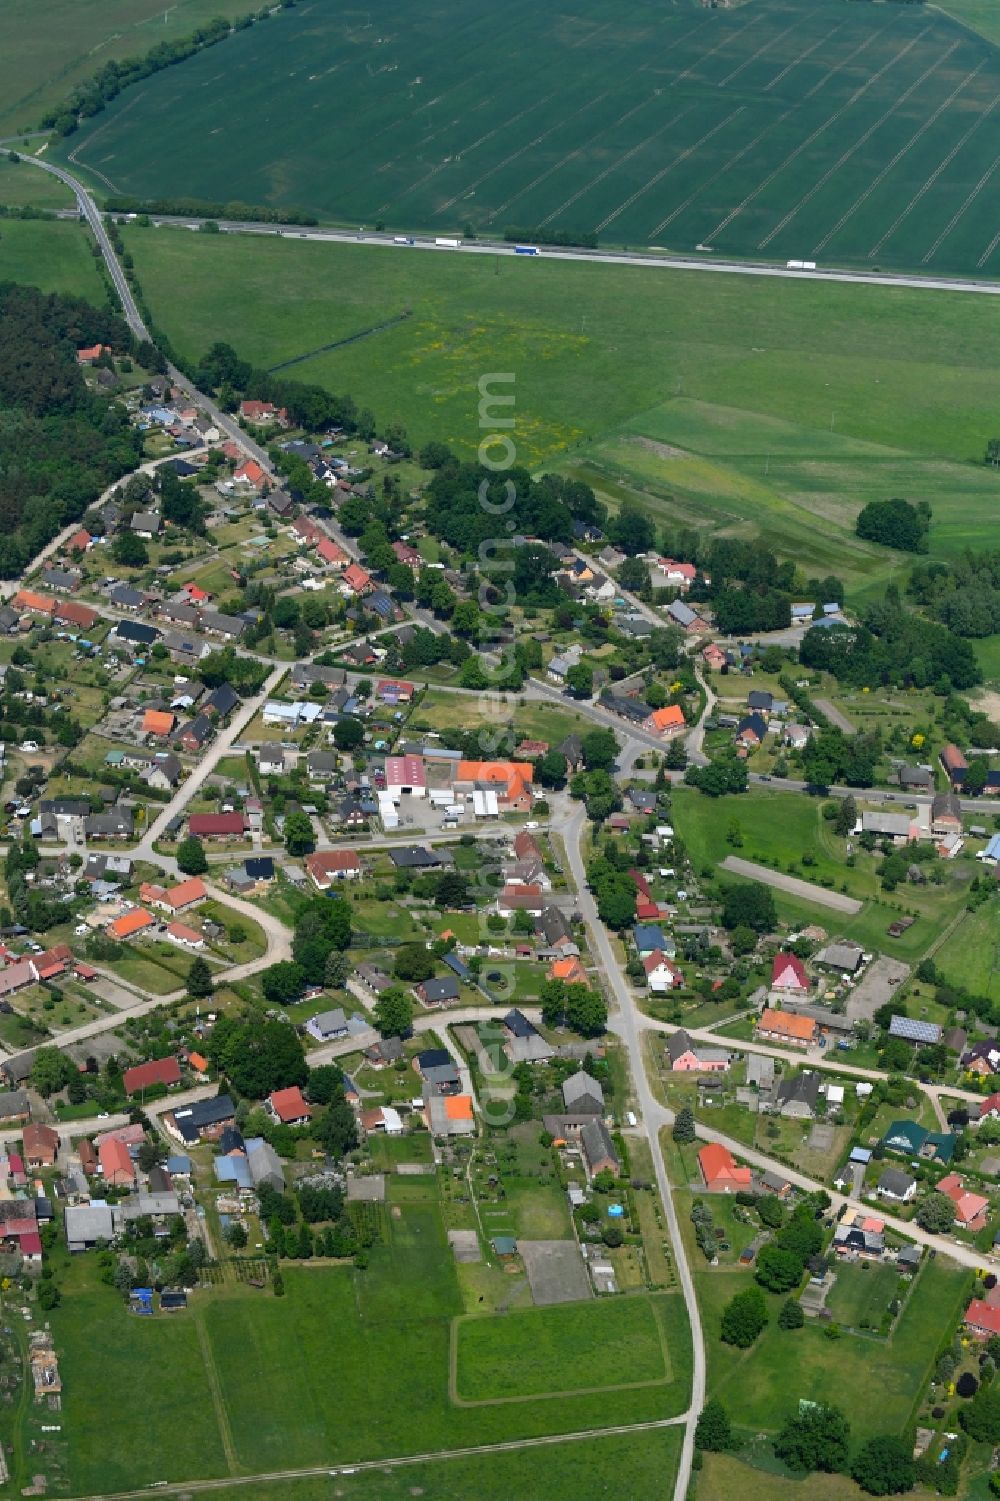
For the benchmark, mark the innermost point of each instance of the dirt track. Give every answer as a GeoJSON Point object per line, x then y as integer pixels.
{"type": "Point", "coordinates": [804, 889]}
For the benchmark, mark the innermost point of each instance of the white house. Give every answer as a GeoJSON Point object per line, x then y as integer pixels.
{"type": "Point", "coordinates": [662, 975]}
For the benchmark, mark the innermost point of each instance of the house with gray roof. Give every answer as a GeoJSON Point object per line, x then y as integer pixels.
{"type": "Point", "coordinates": [896, 1185]}
{"type": "Point", "coordinates": [797, 1098]}
{"type": "Point", "coordinates": [583, 1095]}
{"type": "Point", "coordinates": [599, 1154]}
{"type": "Point", "coordinates": [265, 1165]}
{"type": "Point", "coordinates": [88, 1225]}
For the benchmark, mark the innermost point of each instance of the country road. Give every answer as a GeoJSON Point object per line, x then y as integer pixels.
{"type": "Point", "coordinates": [626, 1023]}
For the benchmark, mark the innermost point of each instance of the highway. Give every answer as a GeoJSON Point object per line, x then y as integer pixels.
{"type": "Point", "coordinates": [651, 259]}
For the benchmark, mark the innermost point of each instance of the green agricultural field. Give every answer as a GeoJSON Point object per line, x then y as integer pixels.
{"type": "Point", "coordinates": [53, 256]}
{"type": "Point", "coordinates": [536, 1352]}
{"type": "Point", "coordinates": [49, 46]}
{"type": "Point", "coordinates": [183, 1438]}
{"type": "Point", "coordinates": [696, 464]}
{"type": "Point", "coordinates": [777, 130]}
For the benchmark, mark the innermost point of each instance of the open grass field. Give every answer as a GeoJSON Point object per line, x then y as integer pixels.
{"type": "Point", "coordinates": [971, 957]}
{"type": "Point", "coordinates": [25, 185]}
{"type": "Point", "coordinates": [801, 829]}
{"type": "Point", "coordinates": [824, 130]}
{"type": "Point", "coordinates": [543, 1351]}
{"type": "Point", "coordinates": [723, 1476]}
{"type": "Point", "coordinates": [49, 46]}
{"type": "Point", "coordinates": [355, 1365]}
{"type": "Point", "coordinates": [53, 256]}
{"type": "Point", "coordinates": [186, 1440]}
{"type": "Point", "coordinates": [862, 1293]}
{"type": "Point", "coordinates": [628, 1464]}
{"type": "Point", "coordinates": [736, 404]}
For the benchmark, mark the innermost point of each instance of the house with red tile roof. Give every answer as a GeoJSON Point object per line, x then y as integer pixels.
{"type": "Point", "coordinates": [971, 1209]}
{"type": "Point", "coordinates": [92, 354]}
{"type": "Point", "coordinates": [569, 970]}
{"type": "Point", "coordinates": [785, 1026]}
{"type": "Point", "coordinates": [250, 474]}
{"type": "Point", "coordinates": [788, 974]}
{"type": "Point", "coordinates": [117, 1167]}
{"type": "Point", "coordinates": [80, 541]}
{"type": "Point", "coordinates": [53, 962]}
{"type": "Point", "coordinates": [158, 722]}
{"type": "Point", "coordinates": [37, 604]}
{"type": "Point", "coordinates": [666, 722]}
{"type": "Point", "coordinates": [678, 576]}
{"type": "Point", "coordinates": [129, 924]}
{"type": "Point", "coordinates": [327, 866]}
{"type": "Point", "coordinates": [358, 580]}
{"type": "Point", "coordinates": [185, 894]}
{"type": "Point", "coordinates": [69, 612]}
{"type": "Point", "coordinates": [165, 1071]}
{"type": "Point", "coordinates": [719, 1171]}
{"type": "Point", "coordinates": [188, 938]}
{"type": "Point", "coordinates": [41, 1145]}
{"type": "Point", "coordinates": [407, 555]}
{"type": "Point", "coordinates": [662, 973]}
{"type": "Point", "coordinates": [263, 413]}
{"type": "Point", "coordinates": [394, 691]}
{"type": "Point", "coordinates": [982, 1319]}
{"type": "Point", "coordinates": [330, 553]}
{"type": "Point", "coordinates": [288, 1106]}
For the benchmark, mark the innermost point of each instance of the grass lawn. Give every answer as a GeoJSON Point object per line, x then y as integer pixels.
{"type": "Point", "coordinates": [862, 1293]}
{"type": "Point", "coordinates": [540, 1351]}
{"type": "Point", "coordinates": [530, 721]}
{"type": "Point", "coordinates": [382, 920]}
{"type": "Point", "coordinates": [142, 968]}
{"type": "Point", "coordinates": [53, 256]}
